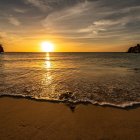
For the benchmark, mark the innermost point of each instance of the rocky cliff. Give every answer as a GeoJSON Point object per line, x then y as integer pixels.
{"type": "Point", "coordinates": [1, 49]}
{"type": "Point", "coordinates": [135, 49]}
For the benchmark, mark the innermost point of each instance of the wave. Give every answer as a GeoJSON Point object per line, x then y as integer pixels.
{"type": "Point", "coordinates": [121, 105]}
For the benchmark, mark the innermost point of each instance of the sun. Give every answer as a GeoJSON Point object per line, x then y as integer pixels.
{"type": "Point", "coordinates": [47, 46]}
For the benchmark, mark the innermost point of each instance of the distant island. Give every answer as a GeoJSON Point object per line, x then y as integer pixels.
{"type": "Point", "coordinates": [135, 49]}
{"type": "Point", "coordinates": [1, 49]}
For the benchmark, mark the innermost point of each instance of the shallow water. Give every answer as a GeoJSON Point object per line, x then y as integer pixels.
{"type": "Point", "coordinates": [98, 78]}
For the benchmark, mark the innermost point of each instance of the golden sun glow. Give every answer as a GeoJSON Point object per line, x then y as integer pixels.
{"type": "Point", "coordinates": [47, 47]}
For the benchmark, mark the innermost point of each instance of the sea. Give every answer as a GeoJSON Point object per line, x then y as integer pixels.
{"type": "Point", "coordinates": [97, 78]}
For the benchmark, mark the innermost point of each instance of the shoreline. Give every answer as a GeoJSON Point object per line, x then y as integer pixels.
{"type": "Point", "coordinates": [31, 120]}
{"type": "Point", "coordinates": [71, 105]}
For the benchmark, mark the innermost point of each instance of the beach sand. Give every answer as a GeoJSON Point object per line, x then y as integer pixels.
{"type": "Point", "coordinates": [23, 119]}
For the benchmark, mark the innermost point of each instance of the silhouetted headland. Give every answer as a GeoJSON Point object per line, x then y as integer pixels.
{"type": "Point", "coordinates": [1, 49]}
{"type": "Point", "coordinates": [135, 49]}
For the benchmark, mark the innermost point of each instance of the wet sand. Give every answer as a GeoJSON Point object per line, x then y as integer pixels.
{"type": "Point", "coordinates": [23, 119]}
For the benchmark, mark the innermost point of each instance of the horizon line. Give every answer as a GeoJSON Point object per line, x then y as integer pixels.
{"type": "Point", "coordinates": [69, 52]}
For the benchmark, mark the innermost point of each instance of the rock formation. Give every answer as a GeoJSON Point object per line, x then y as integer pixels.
{"type": "Point", "coordinates": [1, 49]}
{"type": "Point", "coordinates": [135, 49]}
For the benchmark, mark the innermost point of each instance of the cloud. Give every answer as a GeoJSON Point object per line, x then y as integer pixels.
{"type": "Point", "coordinates": [20, 10]}
{"type": "Point", "coordinates": [14, 21]}
{"type": "Point", "coordinates": [42, 5]}
{"type": "Point", "coordinates": [53, 5]}
{"type": "Point", "coordinates": [67, 17]}
{"type": "Point", "coordinates": [101, 26]}
{"type": "Point", "coordinates": [94, 20]}
{"type": "Point", "coordinates": [113, 25]}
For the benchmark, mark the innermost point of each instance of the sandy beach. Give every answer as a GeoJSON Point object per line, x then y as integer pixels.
{"type": "Point", "coordinates": [23, 119]}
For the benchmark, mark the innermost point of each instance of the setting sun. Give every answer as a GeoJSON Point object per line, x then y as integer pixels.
{"type": "Point", "coordinates": [47, 47]}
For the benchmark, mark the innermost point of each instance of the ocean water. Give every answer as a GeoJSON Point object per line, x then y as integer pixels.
{"type": "Point", "coordinates": [97, 78]}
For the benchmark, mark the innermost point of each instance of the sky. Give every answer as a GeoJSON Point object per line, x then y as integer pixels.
{"type": "Point", "coordinates": [71, 25]}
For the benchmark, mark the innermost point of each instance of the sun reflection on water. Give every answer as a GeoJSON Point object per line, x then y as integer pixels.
{"type": "Point", "coordinates": [47, 62]}
{"type": "Point", "coordinates": [48, 66]}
